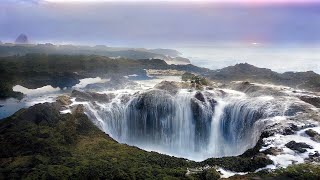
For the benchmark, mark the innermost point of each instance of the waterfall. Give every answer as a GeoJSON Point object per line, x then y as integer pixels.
{"type": "Point", "coordinates": [194, 125]}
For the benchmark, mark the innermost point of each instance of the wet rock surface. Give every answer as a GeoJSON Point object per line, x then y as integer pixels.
{"type": "Point", "coordinates": [315, 136]}
{"type": "Point", "coordinates": [314, 157]}
{"type": "Point", "coordinates": [172, 87]}
{"type": "Point", "coordinates": [311, 100]}
{"type": "Point", "coordinates": [92, 96]}
{"type": "Point", "coordinates": [272, 151]}
{"type": "Point", "coordinates": [64, 100]}
{"type": "Point", "coordinates": [256, 89]}
{"type": "Point", "coordinates": [298, 146]}
{"type": "Point", "coordinates": [169, 86]}
{"type": "Point", "coordinates": [115, 83]}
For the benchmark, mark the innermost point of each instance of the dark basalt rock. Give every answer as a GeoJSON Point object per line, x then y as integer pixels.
{"type": "Point", "coordinates": [315, 136]}
{"type": "Point", "coordinates": [255, 90]}
{"type": "Point", "coordinates": [114, 84]}
{"type": "Point", "coordinates": [290, 130]}
{"type": "Point", "coordinates": [125, 98]}
{"type": "Point", "coordinates": [299, 147]}
{"type": "Point", "coordinates": [102, 97]}
{"type": "Point", "coordinates": [202, 116]}
{"type": "Point", "coordinates": [81, 94]}
{"type": "Point", "coordinates": [79, 109]}
{"type": "Point", "coordinates": [295, 108]}
{"type": "Point", "coordinates": [169, 86]}
{"type": "Point", "coordinates": [311, 133]}
{"type": "Point", "coordinates": [147, 111]}
{"type": "Point", "coordinates": [315, 157]}
{"type": "Point", "coordinates": [272, 151]}
{"type": "Point", "coordinates": [311, 100]}
{"type": "Point", "coordinates": [92, 96]}
{"type": "Point", "coordinates": [200, 96]}
{"type": "Point", "coordinates": [45, 114]}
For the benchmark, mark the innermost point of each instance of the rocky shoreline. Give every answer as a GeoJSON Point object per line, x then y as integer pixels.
{"type": "Point", "coordinates": [77, 126]}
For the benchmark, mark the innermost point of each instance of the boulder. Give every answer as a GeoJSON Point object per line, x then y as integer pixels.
{"type": "Point", "coordinates": [169, 86]}
{"type": "Point", "coordinates": [64, 100]}
{"type": "Point", "coordinates": [272, 151]}
{"type": "Point", "coordinates": [200, 96]}
{"type": "Point", "coordinates": [314, 157]}
{"type": "Point", "coordinates": [315, 136]}
{"type": "Point", "coordinates": [291, 129]}
{"type": "Point", "coordinates": [79, 109]}
{"type": "Point", "coordinates": [298, 147]}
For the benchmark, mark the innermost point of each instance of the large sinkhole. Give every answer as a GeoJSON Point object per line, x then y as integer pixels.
{"type": "Point", "coordinates": [194, 125]}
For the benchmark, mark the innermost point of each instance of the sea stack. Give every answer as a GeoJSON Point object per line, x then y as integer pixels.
{"type": "Point", "coordinates": [22, 39]}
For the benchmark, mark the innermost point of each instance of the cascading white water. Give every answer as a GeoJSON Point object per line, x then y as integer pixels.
{"type": "Point", "coordinates": [194, 125]}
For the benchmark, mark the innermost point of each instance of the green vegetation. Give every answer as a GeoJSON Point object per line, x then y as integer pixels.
{"type": "Point", "coordinates": [37, 70]}
{"type": "Point", "coordinates": [300, 171]}
{"type": "Point", "coordinates": [245, 72]}
{"type": "Point", "coordinates": [196, 79]}
{"type": "Point", "coordinates": [39, 143]}
{"type": "Point", "coordinates": [207, 174]}
{"type": "Point", "coordinates": [294, 172]}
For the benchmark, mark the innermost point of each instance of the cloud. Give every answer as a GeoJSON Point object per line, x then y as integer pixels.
{"type": "Point", "coordinates": [17, 2]}
{"type": "Point", "coordinates": [215, 1]}
{"type": "Point", "coordinates": [147, 23]}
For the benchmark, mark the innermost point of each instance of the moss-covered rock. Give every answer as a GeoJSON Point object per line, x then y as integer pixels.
{"type": "Point", "coordinates": [313, 134]}
{"type": "Point", "coordinates": [39, 142]}
{"type": "Point", "coordinates": [64, 100]}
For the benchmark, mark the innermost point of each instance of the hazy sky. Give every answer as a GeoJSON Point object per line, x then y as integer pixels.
{"type": "Point", "coordinates": [154, 22]}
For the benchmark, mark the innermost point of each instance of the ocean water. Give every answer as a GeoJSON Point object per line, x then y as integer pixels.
{"type": "Point", "coordinates": [278, 58]}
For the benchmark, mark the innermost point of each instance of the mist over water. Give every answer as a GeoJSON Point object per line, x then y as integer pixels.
{"type": "Point", "coordinates": [214, 125]}
{"type": "Point", "coordinates": [280, 58]}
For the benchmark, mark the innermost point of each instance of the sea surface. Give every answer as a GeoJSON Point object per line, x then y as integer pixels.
{"type": "Point", "coordinates": [278, 58]}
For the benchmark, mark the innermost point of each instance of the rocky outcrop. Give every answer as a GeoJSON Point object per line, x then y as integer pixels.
{"type": "Point", "coordinates": [315, 136]}
{"type": "Point", "coordinates": [311, 100]}
{"type": "Point", "coordinates": [255, 89]}
{"type": "Point", "coordinates": [40, 137]}
{"type": "Point", "coordinates": [298, 147]}
{"type": "Point", "coordinates": [64, 100]}
{"type": "Point", "coordinates": [272, 151]}
{"type": "Point", "coordinates": [202, 115]}
{"type": "Point", "coordinates": [79, 109]}
{"type": "Point", "coordinates": [92, 96]}
{"type": "Point", "coordinates": [169, 86]}
{"type": "Point", "coordinates": [40, 114]}
{"type": "Point", "coordinates": [199, 96]}
{"type": "Point", "coordinates": [115, 83]}
{"type": "Point", "coordinates": [246, 72]}
{"type": "Point", "coordinates": [22, 39]}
